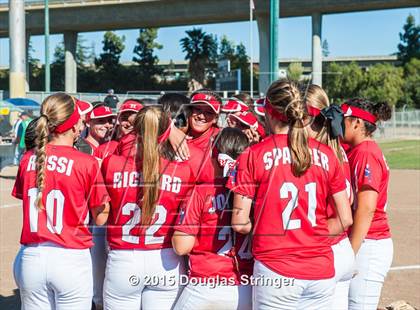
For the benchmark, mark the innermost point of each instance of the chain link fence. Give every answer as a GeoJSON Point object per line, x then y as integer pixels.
{"type": "Point", "coordinates": [403, 124]}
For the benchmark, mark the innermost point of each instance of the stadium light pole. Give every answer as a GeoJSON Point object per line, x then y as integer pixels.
{"type": "Point", "coordinates": [274, 21]}
{"type": "Point", "coordinates": [47, 46]}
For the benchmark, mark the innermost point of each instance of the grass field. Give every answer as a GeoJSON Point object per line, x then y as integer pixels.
{"type": "Point", "coordinates": [403, 154]}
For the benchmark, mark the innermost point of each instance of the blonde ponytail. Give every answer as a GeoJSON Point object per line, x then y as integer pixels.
{"type": "Point", "coordinates": [316, 97]}
{"type": "Point", "coordinates": [285, 97]}
{"type": "Point", "coordinates": [150, 123]}
{"type": "Point", "coordinates": [55, 110]}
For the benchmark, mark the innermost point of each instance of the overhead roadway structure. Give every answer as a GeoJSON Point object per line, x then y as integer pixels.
{"type": "Point", "coordinates": [74, 16]}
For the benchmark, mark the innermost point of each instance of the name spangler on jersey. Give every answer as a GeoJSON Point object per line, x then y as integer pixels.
{"type": "Point", "coordinates": [59, 164]}
{"type": "Point", "coordinates": [134, 179]}
{"type": "Point", "coordinates": [282, 156]}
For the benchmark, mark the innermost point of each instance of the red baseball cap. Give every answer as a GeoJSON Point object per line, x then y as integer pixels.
{"type": "Point", "coordinates": [130, 105]}
{"type": "Point", "coordinates": [208, 99]}
{"type": "Point", "coordinates": [84, 106]}
{"type": "Point", "coordinates": [246, 118]}
{"type": "Point", "coordinates": [259, 107]}
{"type": "Point", "coordinates": [234, 105]}
{"type": "Point", "coordinates": [100, 111]}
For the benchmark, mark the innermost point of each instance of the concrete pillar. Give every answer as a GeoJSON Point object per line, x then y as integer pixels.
{"type": "Point", "coordinates": [316, 49]}
{"type": "Point", "coordinates": [28, 67]}
{"type": "Point", "coordinates": [17, 77]}
{"type": "Point", "coordinates": [263, 22]}
{"type": "Point", "coordinates": [70, 44]}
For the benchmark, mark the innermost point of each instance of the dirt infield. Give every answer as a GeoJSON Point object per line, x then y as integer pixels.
{"type": "Point", "coordinates": [403, 282]}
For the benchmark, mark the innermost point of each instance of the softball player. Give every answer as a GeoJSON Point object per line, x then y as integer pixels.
{"type": "Point", "coordinates": [146, 186]}
{"type": "Point", "coordinates": [53, 267]}
{"type": "Point", "coordinates": [217, 258]}
{"type": "Point", "coordinates": [326, 127]}
{"type": "Point", "coordinates": [290, 178]}
{"type": "Point", "coordinates": [370, 235]}
{"type": "Point", "coordinates": [125, 122]}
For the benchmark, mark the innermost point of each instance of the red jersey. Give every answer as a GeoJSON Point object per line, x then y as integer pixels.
{"type": "Point", "coordinates": [106, 149]}
{"type": "Point", "coordinates": [205, 142]}
{"type": "Point", "coordinates": [208, 216]}
{"type": "Point", "coordinates": [73, 184]}
{"type": "Point", "coordinates": [291, 235]}
{"type": "Point", "coordinates": [331, 211]}
{"type": "Point", "coordinates": [123, 178]}
{"type": "Point", "coordinates": [202, 153]}
{"type": "Point", "coordinates": [369, 168]}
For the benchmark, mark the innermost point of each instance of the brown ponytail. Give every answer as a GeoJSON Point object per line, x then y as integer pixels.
{"type": "Point", "coordinates": [55, 109]}
{"type": "Point", "coordinates": [150, 123]}
{"type": "Point", "coordinates": [316, 97]}
{"type": "Point", "coordinates": [285, 97]}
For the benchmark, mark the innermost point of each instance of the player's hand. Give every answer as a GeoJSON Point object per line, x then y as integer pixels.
{"type": "Point", "coordinates": [253, 135]}
{"type": "Point", "coordinates": [178, 141]}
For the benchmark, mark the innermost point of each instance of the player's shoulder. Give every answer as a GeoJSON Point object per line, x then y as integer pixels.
{"type": "Point", "coordinates": [367, 149]}
{"type": "Point", "coordinates": [81, 157]}
{"type": "Point", "coordinates": [326, 149]}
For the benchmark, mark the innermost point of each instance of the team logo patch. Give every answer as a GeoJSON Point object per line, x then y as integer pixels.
{"type": "Point", "coordinates": [368, 173]}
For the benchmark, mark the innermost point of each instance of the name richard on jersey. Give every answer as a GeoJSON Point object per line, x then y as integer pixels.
{"type": "Point", "coordinates": [134, 179]}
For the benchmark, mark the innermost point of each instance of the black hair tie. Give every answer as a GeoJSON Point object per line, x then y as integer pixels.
{"type": "Point", "coordinates": [335, 116]}
{"type": "Point", "coordinates": [45, 116]}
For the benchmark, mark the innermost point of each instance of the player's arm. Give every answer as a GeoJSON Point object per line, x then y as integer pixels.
{"type": "Point", "coordinates": [366, 206]}
{"type": "Point", "coordinates": [182, 242]}
{"type": "Point", "coordinates": [343, 219]}
{"type": "Point", "coordinates": [241, 222]}
{"type": "Point", "coordinates": [100, 214]}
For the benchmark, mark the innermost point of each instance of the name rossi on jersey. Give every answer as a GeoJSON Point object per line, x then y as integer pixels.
{"type": "Point", "coordinates": [282, 156]}
{"type": "Point", "coordinates": [134, 179]}
{"type": "Point", "coordinates": [60, 164]}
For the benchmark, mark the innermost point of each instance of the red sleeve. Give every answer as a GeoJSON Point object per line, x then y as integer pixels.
{"type": "Point", "coordinates": [243, 179]}
{"type": "Point", "coordinates": [367, 171]}
{"type": "Point", "coordinates": [18, 187]}
{"type": "Point", "coordinates": [98, 195]}
{"type": "Point", "coordinates": [337, 180]}
{"type": "Point", "coordinates": [190, 214]}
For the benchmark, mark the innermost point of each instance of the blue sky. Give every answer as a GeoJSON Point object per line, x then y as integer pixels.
{"type": "Point", "coordinates": [350, 34]}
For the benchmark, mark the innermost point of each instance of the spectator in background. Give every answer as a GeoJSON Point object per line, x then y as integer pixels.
{"type": "Point", "coordinates": [15, 142]}
{"type": "Point", "coordinates": [111, 100]}
{"type": "Point", "coordinates": [20, 136]}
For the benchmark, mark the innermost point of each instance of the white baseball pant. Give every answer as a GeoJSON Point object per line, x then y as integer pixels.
{"type": "Point", "coordinates": [53, 277]}
{"type": "Point", "coordinates": [227, 297]}
{"type": "Point", "coordinates": [137, 279]}
{"type": "Point", "coordinates": [372, 264]}
{"type": "Point", "coordinates": [289, 293]}
{"type": "Point", "coordinates": [99, 255]}
{"type": "Point", "coordinates": [344, 264]}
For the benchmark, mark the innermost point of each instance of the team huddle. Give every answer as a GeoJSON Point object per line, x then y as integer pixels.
{"type": "Point", "coordinates": [159, 207]}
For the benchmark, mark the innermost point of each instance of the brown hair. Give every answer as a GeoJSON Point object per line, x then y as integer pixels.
{"type": "Point", "coordinates": [285, 97]}
{"type": "Point", "coordinates": [316, 97]}
{"type": "Point", "coordinates": [150, 123]}
{"type": "Point", "coordinates": [55, 110]}
{"type": "Point", "coordinates": [231, 141]}
{"type": "Point", "coordinates": [381, 110]}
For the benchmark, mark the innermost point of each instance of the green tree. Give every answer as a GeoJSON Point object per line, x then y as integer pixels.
{"type": "Point", "coordinates": [343, 81]}
{"type": "Point", "coordinates": [384, 82]}
{"type": "Point", "coordinates": [226, 49]}
{"type": "Point", "coordinates": [411, 88]}
{"type": "Point", "coordinates": [410, 41]}
{"type": "Point", "coordinates": [325, 48]}
{"type": "Point", "coordinates": [201, 51]}
{"type": "Point", "coordinates": [113, 46]}
{"type": "Point", "coordinates": [146, 60]}
{"type": "Point", "coordinates": [84, 53]}
{"type": "Point", "coordinates": [294, 71]}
